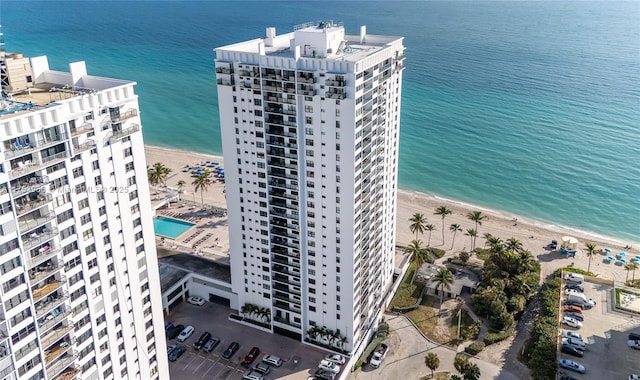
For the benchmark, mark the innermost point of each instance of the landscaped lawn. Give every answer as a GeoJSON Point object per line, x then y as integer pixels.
{"type": "Point", "coordinates": [465, 322]}
{"type": "Point", "coordinates": [407, 294]}
{"type": "Point", "coordinates": [437, 376]}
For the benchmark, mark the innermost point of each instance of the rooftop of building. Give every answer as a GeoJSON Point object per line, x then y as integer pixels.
{"type": "Point", "coordinates": [322, 40]}
{"type": "Point", "coordinates": [460, 278]}
{"type": "Point", "coordinates": [174, 266]}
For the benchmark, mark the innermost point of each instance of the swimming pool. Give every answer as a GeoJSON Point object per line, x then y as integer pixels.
{"type": "Point", "coordinates": [171, 228]}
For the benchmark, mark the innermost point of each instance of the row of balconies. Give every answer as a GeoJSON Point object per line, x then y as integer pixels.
{"type": "Point", "coordinates": [273, 97]}
{"type": "Point", "coordinates": [286, 280]}
{"type": "Point", "coordinates": [282, 213]}
{"type": "Point", "coordinates": [284, 242]}
{"type": "Point", "coordinates": [284, 270]}
{"type": "Point", "coordinates": [279, 132]}
{"type": "Point", "coordinates": [283, 184]}
{"type": "Point", "coordinates": [281, 261]}
{"type": "Point", "coordinates": [284, 223]}
{"type": "Point", "coordinates": [21, 149]}
{"type": "Point", "coordinates": [284, 306]}
{"type": "Point", "coordinates": [26, 165]}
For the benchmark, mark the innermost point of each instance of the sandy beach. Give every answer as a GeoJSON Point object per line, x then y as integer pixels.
{"type": "Point", "coordinates": [534, 235]}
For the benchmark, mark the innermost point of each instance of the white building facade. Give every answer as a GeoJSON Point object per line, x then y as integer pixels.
{"type": "Point", "coordinates": [310, 129]}
{"type": "Point", "coordinates": [79, 285]}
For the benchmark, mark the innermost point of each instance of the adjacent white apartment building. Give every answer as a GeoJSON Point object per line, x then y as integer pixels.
{"type": "Point", "coordinates": [79, 284]}
{"type": "Point", "coordinates": [310, 129]}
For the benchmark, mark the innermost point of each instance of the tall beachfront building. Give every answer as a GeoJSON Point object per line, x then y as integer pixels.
{"type": "Point", "coordinates": [310, 127]}
{"type": "Point", "coordinates": [79, 285]}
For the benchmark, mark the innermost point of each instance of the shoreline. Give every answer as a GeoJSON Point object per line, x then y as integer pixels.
{"type": "Point", "coordinates": [535, 235]}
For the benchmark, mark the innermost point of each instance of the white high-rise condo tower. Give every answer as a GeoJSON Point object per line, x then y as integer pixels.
{"type": "Point", "coordinates": [310, 128]}
{"type": "Point", "coordinates": [79, 285]}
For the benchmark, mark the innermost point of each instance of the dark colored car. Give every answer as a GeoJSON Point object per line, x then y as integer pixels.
{"type": "Point", "coordinates": [324, 374]}
{"type": "Point", "coordinates": [251, 356]}
{"type": "Point", "coordinates": [204, 338]}
{"type": "Point", "coordinates": [634, 336]}
{"type": "Point", "coordinates": [211, 344]}
{"type": "Point", "coordinates": [176, 353]}
{"type": "Point", "coordinates": [228, 353]}
{"type": "Point", "coordinates": [574, 315]}
{"type": "Point", "coordinates": [168, 325]}
{"type": "Point", "coordinates": [173, 332]}
{"type": "Point", "coordinates": [262, 368]}
{"type": "Point", "coordinates": [575, 287]}
{"type": "Point", "coordinates": [572, 350]}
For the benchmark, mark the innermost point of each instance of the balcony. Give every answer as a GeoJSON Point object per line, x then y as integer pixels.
{"type": "Point", "coordinates": [224, 70]}
{"type": "Point", "coordinates": [46, 289]}
{"type": "Point", "coordinates": [23, 167]}
{"type": "Point", "coordinates": [50, 303]}
{"type": "Point", "coordinates": [48, 321]}
{"type": "Point", "coordinates": [285, 262]}
{"type": "Point", "coordinates": [52, 338]}
{"type": "Point", "coordinates": [119, 134]}
{"type": "Point", "coordinates": [309, 79]}
{"type": "Point", "coordinates": [284, 270]}
{"type": "Point", "coordinates": [69, 374]}
{"type": "Point", "coordinates": [226, 82]}
{"type": "Point", "coordinates": [335, 95]}
{"type": "Point", "coordinates": [60, 365]}
{"type": "Point", "coordinates": [40, 273]}
{"type": "Point", "coordinates": [285, 288]}
{"type": "Point", "coordinates": [84, 128]}
{"type": "Point", "coordinates": [31, 202]}
{"type": "Point", "coordinates": [31, 240]}
{"type": "Point", "coordinates": [29, 185]}
{"type": "Point", "coordinates": [335, 83]}
{"type": "Point", "coordinates": [31, 147]}
{"type": "Point", "coordinates": [287, 322]}
{"type": "Point", "coordinates": [283, 306]}
{"type": "Point", "coordinates": [124, 116]}
{"type": "Point", "coordinates": [89, 144]}
{"type": "Point", "coordinates": [30, 222]}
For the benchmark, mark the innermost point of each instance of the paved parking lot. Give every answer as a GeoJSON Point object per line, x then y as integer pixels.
{"type": "Point", "coordinates": [299, 360]}
{"type": "Point", "coordinates": [607, 355]}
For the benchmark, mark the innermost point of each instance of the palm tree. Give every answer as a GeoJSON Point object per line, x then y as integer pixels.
{"type": "Point", "coordinates": [591, 251]}
{"type": "Point", "coordinates": [443, 279]}
{"type": "Point", "coordinates": [472, 372]}
{"type": "Point", "coordinates": [342, 341]}
{"type": "Point", "coordinates": [487, 236]}
{"type": "Point", "coordinates": [418, 256]}
{"type": "Point", "coordinates": [158, 173]}
{"type": "Point", "coordinates": [514, 245]}
{"type": "Point", "coordinates": [201, 183]}
{"type": "Point", "coordinates": [432, 361]}
{"type": "Point", "coordinates": [442, 211]}
{"type": "Point", "coordinates": [629, 267]}
{"type": "Point", "coordinates": [634, 266]}
{"type": "Point", "coordinates": [454, 228]}
{"type": "Point", "coordinates": [495, 243]}
{"type": "Point", "coordinates": [417, 225]}
{"type": "Point", "coordinates": [472, 233]}
{"type": "Point", "coordinates": [477, 217]}
{"type": "Point", "coordinates": [430, 228]}
{"type": "Point", "coordinates": [313, 332]}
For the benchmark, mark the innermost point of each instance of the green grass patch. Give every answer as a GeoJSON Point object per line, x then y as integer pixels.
{"type": "Point", "coordinates": [437, 376]}
{"type": "Point", "coordinates": [483, 254]}
{"type": "Point", "coordinates": [437, 252]}
{"type": "Point", "coordinates": [407, 294]}
{"type": "Point", "coordinates": [619, 306]}
{"type": "Point", "coordinates": [576, 271]}
{"type": "Point", "coordinates": [469, 329]}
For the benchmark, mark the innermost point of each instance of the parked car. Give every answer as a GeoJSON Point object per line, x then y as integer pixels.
{"type": "Point", "coordinates": [567, 377]}
{"type": "Point", "coordinates": [329, 366]}
{"type": "Point", "coordinates": [194, 300]}
{"type": "Point", "coordinates": [633, 376]}
{"type": "Point", "coordinates": [251, 356]}
{"type": "Point", "coordinates": [571, 365]}
{"type": "Point", "coordinates": [634, 336]}
{"type": "Point", "coordinates": [572, 350]}
{"type": "Point", "coordinates": [176, 353]}
{"type": "Point", "coordinates": [204, 338]}
{"type": "Point", "coordinates": [211, 344]}
{"type": "Point", "coordinates": [185, 334]}
{"type": "Point", "coordinates": [168, 325]}
{"type": "Point", "coordinates": [263, 368]}
{"type": "Point", "coordinates": [575, 287]}
{"type": "Point", "coordinates": [252, 375]}
{"type": "Point", "coordinates": [174, 331]}
{"type": "Point", "coordinates": [336, 358]}
{"type": "Point", "coordinates": [574, 303]}
{"type": "Point", "coordinates": [170, 348]}
{"type": "Point", "coordinates": [574, 277]}
{"type": "Point", "coordinates": [571, 322]}
{"type": "Point", "coordinates": [231, 349]}
{"type": "Point", "coordinates": [571, 334]}
{"type": "Point", "coordinates": [324, 374]}
{"type": "Point", "coordinates": [574, 342]}
{"type": "Point", "coordinates": [573, 308]}
{"type": "Point", "coordinates": [378, 355]}
{"type": "Point", "coordinates": [574, 315]}
{"type": "Point", "coordinates": [635, 344]}
{"type": "Point", "coordinates": [273, 360]}
{"type": "Point", "coordinates": [569, 291]}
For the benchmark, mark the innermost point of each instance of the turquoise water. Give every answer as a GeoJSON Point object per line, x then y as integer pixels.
{"type": "Point", "coordinates": [531, 108]}
{"type": "Point", "coordinates": [169, 227]}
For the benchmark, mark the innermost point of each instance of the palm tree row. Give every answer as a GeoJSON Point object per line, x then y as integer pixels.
{"type": "Point", "coordinates": [332, 337]}
{"type": "Point", "coordinates": [419, 225]}
{"type": "Point", "coordinates": [248, 310]}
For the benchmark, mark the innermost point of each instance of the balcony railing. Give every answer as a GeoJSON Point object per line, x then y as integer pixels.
{"type": "Point", "coordinates": [124, 116]}
{"type": "Point", "coordinates": [31, 240]}
{"type": "Point", "coordinates": [54, 336]}
{"type": "Point", "coordinates": [84, 128]}
{"type": "Point", "coordinates": [286, 322]}
{"type": "Point", "coordinates": [50, 303]}
{"type": "Point", "coordinates": [34, 183]}
{"type": "Point", "coordinates": [89, 144]}
{"type": "Point", "coordinates": [43, 272]}
{"type": "Point", "coordinates": [52, 319]}
{"type": "Point", "coordinates": [28, 166]}
{"type": "Point", "coordinates": [47, 289]}
{"type": "Point", "coordinates": [27, 224]}
{"type": "Point", "coordinates": [25, 206]}
{"type": "Point", "coordinates": [54, 368]}
{"type": "Point", "coordinates": [118, 134]}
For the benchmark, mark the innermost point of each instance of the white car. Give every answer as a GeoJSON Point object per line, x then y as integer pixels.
{"type": "Point", "coordinates": [633, 376]}
{"type": "Point", "coordinates": [336, 358]}
{"type": "Point", "coordinates": [194, 300]}
{"type": "Point", "coordinates": [571, 322]}
{"type": "Point", "coordinates": [635, 344]}
{"type": "Point", "coordinates": [574, 342]}
{"type": "Point", "coordinates": [574, 277]}
{"type": "Point", "coordinates": [571, 334]}
{"type": "Point", "coordinates": [329, 366]}
{"type": "Point", "coordinates": [186, 333]}
{"type": "Point", "coordinates": [572, 291]}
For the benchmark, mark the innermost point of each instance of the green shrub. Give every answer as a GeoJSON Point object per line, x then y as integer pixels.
{"type": "Point", "coordinates": [483, 254]}
{"type": "Point", "coordinates": [437, 252]}
{"type": "Point", "coordinates": [495, 337]}
{"type": "Point", "coordinates": [475, 348]}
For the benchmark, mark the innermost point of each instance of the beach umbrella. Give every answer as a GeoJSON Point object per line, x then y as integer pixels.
{"type": "Point", "coordinates": [607, 250]}
{"type": "Point", "coordinates": [622, 260]}
{"type": "Point", "coordinates": [622, 253]}
{"type": "Point", "coordinates": [611, 258]}
{"type": "Point", "coordinates": [638, 257]}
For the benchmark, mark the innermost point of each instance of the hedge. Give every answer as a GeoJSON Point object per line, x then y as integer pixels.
{"type": "Point", "coordinates": [475, 348]}
{"type": "Point", "coordinates": [437, 252]}
{"type": "Point", "coordinates": [495, 337]}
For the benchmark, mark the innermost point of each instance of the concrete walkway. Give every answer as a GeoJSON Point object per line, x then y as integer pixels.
{"type": "Point", "coordinates": [408, 348]}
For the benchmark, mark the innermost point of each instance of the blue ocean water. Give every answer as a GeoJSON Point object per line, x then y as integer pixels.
{"type": "Point", "coordinates": [530, 108]}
